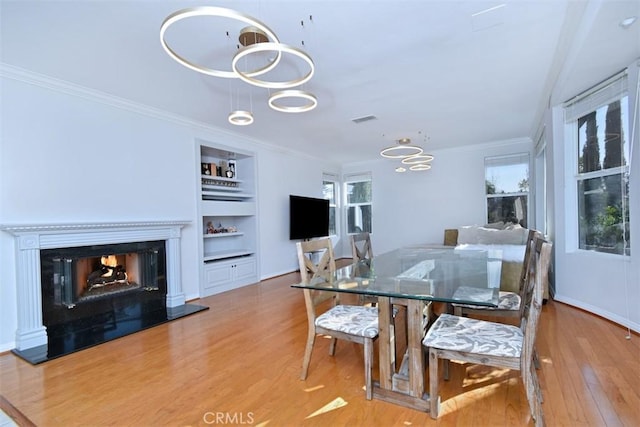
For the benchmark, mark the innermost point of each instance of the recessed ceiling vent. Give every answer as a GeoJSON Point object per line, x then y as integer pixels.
{"type": "Point", "coordinates": [363, 119]}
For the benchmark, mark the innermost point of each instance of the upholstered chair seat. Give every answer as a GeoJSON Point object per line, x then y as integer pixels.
{"type": "Point", "coordinates": [350, 319]}
{"type": "Point", "coordinates": [477, 336]}
{"type": "Point", "coordinates": [506, 300]}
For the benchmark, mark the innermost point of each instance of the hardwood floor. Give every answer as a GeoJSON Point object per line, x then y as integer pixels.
{"type": "Point", "coordinates": [239, 363]}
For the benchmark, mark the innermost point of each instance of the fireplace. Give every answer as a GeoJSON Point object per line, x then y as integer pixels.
{"type": "Point", "coordinates": [82, 275]}
{"type": "Point", "coordinates": [79, 285]}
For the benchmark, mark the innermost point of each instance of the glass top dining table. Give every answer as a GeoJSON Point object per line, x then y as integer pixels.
{"type": "Point", "coordinates": [405, 282]}
{"type": "Point", "coordinates": [442, 274]}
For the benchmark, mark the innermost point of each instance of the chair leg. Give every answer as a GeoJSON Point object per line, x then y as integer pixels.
{"type": "Point", "coordinates": [368, 367]}
{"type": "Point", "coordinates": [434, 399]}
{"type": "Point", "coordinates": [445, 370]}
{"type": "Point", "coordinates": [536, 359]}
{"type": "Point", "coordinates": [536, 385]}
{"type": "Point", "coordinates": [311, 338]}
{"type": "Point", "coordinates": [534, 397]}
{"type": "Point", "coordinates": [332, 346]}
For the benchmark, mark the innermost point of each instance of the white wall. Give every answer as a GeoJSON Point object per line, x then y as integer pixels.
{"type": "Point", "coordinates": [68, 154]}
{"type": "Point", "coordinates": [279, 176]}
{"type": "Point", "coordinates": [416, 207]}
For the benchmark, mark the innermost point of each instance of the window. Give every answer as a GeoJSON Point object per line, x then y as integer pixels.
{"type": "Point", "coordinates": [358, 203]}
{"type": "Point", "coordinates": [599, 126]}
{"type": "Point", "coordinates": [330, 192]}
{"type": "Point", "coordinates": [540, 186]}
{"type": "Point", "coordinates": [507, 188]}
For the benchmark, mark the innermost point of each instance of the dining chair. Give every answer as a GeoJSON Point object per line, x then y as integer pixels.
{"type": "Point", "coordinates": [494, 344]}
{"type": "Point", "coordinates": [361, 246]}
{"type": "Point", "coordinates": [361, 250]}
{"type": "Point", "coordinates": [355, 323]}
{"type": "Point", "coordinates": [509, 303]}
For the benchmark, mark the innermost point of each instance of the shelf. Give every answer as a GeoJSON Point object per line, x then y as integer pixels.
{"type": "Point", "coordinates": [234, 207]}
{"type": "Point", "coordinates": [214, 256]}
{"type": "Point", "coordinates": [227, 260]}
{"type": "Point", "coordinates": [224, 195]}
{"type": "Point", "coordinates": [237, 233]}
{"type": "Point", "coordinates": [210, 187]}
{"type": "Point", "coordinates": [222, 179]}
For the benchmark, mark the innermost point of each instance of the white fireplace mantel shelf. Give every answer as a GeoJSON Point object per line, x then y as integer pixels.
{"type": "Point", "coordinates": [63, 227]}
{"type": "Point", "coordinates": [31, 238]}
{"type": "Point", "coordinates": [76, 234]}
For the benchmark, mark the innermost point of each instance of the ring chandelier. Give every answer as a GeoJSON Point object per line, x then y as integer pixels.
{"type": "Point", "coordinates": [279, 48]}
{"type": "Point", "coordinates": [265, 40]}
{"type": "Point", "coordinates": [284, 94]}
{"type": "Point", "coordinates": [408, 154]}
{"type": "Point", "coordinates": [240, 118]}
{"type": "Point", "coordinates": [219, 12]}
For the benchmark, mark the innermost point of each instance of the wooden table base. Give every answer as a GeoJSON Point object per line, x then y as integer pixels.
{"type": "Point", "coordinates": [404, 386]}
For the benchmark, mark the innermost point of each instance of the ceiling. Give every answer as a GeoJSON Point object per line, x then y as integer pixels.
{"type": "Point", "coordinates": [443, 73]}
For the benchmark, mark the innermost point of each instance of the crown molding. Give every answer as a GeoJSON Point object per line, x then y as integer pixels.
{"type": "Point", "coordinates": [72, 89]}
{"type": "Point", "coordinates": [62, 86]}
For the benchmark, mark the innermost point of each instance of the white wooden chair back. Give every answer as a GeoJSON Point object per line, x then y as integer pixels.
{"type": "Point", "coordinates": [361, 246]}
{"type": "Point", "coordinates": [309, 270]}
{"type": "Point", "coordinates": [532, 301]}
{"type": "Point", "coordinates": [528, 266]}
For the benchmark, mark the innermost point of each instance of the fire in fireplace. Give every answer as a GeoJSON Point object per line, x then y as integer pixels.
{"type": "Point", "coordinates": [110, 272]}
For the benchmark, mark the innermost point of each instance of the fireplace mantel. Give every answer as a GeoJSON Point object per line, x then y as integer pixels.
{"type": "Point", "coordinates": [31, 238]}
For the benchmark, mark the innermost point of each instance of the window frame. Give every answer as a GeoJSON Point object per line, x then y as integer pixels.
{"type": "Point", "coordinates": [350, 179]}
{"type": "Point", "coordinates": [335, 206]}
{"type": "Point", "coordinates": [505, 159]}
{"type": "Point", "coordinates": [598, 96]}
{"type": "Point", "coordinates": [540, 179]}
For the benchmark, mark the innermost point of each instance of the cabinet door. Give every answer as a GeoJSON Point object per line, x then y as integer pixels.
{"type": "Point", "coordinates": [218, 276]}
{"type": "Point", "coordinates": [245, 270]}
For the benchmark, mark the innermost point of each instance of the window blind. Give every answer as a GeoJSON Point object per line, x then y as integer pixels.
{"type": "Point", "coordinates": [602, 94]}
{"type": "Point", "coordinates": [357, 177]}
{"type": "Point", "coordinates": [508, 160]}
{"type": "Point", "coordinates": [329, 177]}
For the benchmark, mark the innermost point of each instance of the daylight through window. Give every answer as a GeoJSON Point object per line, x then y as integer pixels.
{"type": "Point", "coordinates": [330, 192]}
{"type": "Point", "coordinates": [507, 189]}
{"type": "Point", "coordinates": [358, 203]}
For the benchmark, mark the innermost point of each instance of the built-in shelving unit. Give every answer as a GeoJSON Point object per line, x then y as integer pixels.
{"type": "Point", "coordinates": [228, 221]}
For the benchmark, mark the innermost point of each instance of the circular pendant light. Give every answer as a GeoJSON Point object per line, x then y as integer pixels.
{"type": "Point", "coordinates": [240, 118]}
{"type": "Point", "coordinates": [402, 150]}
{"type": "Point", "coordinates": [259, 27]}
{"type": "Point", "coordinates": [291, 93]}
{"type": "Point", "coordinates": [268, 47]}
{"type": "Point", "coordinates": [417, 158]}
{"type": "Point", "coordinates": [420, 167]}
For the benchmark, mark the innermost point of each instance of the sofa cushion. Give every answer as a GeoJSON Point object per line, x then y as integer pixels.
{"type": "Point", "coordinates": [495, 225]}
{"type": "Point", "coordinates": [490, 236]}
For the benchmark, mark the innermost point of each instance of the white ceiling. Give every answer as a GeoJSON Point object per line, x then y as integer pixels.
{"type": "Point", "coordinates": [428, 70]}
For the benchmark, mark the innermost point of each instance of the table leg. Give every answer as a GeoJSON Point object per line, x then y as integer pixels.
{"type": "Point", "coordinates": [414, 348]}
{"type": "Point", "coordinates": [385, 342]}
{"type": "Point", "coordinates": [406, 390]}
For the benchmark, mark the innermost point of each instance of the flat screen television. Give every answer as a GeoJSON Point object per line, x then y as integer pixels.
{"type": "Point", "coordinates": [308, 217]}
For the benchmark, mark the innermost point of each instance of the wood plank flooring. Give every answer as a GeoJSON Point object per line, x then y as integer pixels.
{"type": "Point", "coordinates": [239, 362]}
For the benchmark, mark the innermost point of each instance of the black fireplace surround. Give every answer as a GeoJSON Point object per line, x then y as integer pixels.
{"type": "Point", "coordinates": [94, 294]}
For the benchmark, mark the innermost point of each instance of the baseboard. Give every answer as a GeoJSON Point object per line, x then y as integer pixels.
{"type": "Point", "coordinates": [615, 318]}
